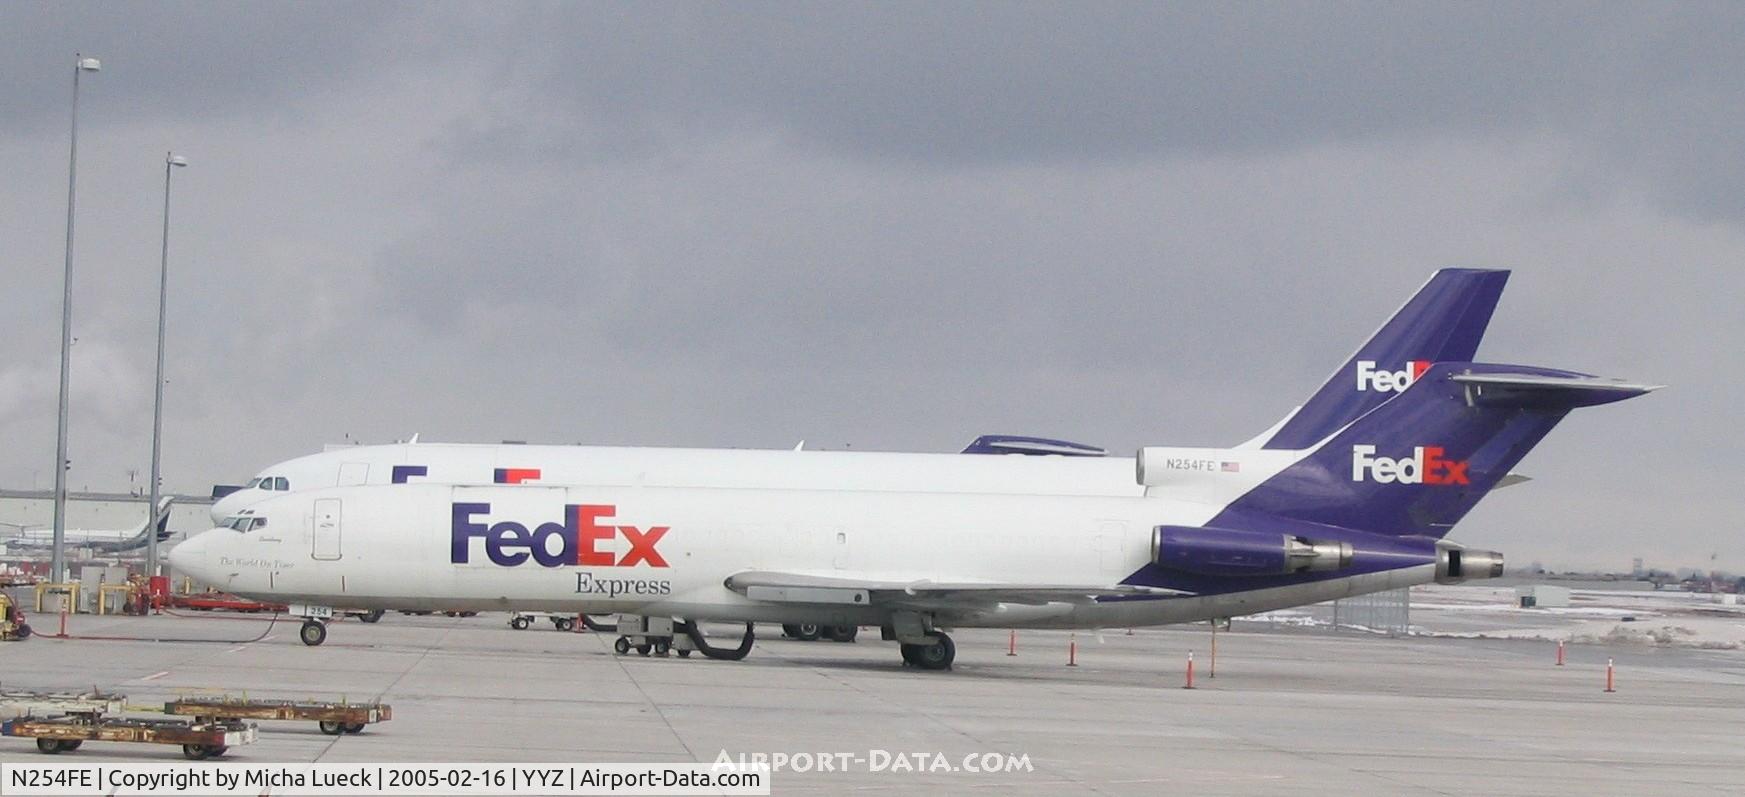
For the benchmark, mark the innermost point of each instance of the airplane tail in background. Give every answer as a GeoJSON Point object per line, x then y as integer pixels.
{"type": "Point", "coordinates": [1415, 466]}
{"type": "Point", "coordinates": [1443, 322]}
{"type": "Point", "coordinates": [157, 522]}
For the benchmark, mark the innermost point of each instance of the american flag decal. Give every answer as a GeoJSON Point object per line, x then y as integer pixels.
{"type": "Point", "coordinates": [1230, 467]}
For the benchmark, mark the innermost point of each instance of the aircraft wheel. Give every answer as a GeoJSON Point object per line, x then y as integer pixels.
{"type": "Point", "coordinates": [622, 646]}
{"type": "Point", "coordinates": [313, 633]}
{"type": "Point", "coordinates": [332, 727]}
{"type": "Point", "coordinates": [808, 632]}
{"type": "Point", "coordinates": [842, 633]}
{"type": "Point", "coordinates": [936, 655]}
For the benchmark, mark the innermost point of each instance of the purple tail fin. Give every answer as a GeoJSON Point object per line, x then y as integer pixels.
{"type": "Point", "coordinates": [1417, 464]}
{"type": "Point", "coordinates": [1442, 322]}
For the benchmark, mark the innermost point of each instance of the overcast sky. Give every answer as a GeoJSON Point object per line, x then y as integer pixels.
{"type": "Point", "coordinates": [888, 226]}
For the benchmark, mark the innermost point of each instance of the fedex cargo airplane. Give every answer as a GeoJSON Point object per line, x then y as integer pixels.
{"type": "Point", "coordinates": [102, 540]}
{"type": "Point", "coordinates": [1444, 320]}
{"type": "Point", "coordinates": [1322, 507]}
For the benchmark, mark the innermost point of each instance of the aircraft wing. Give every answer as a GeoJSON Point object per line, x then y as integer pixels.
{"type": "Point", "coordinates": [779, 587]}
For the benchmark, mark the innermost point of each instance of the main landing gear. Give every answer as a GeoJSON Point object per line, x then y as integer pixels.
{"type": "Point", "coordinates": [807, 632]}
{"type": "Point", "coordinates": [935, 654]}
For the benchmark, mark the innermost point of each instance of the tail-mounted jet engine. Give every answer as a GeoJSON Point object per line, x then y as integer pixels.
{"type": "Point", "coordinates": [1454, 565]}
{"type": "Point", "coordinates": [1234, 552]}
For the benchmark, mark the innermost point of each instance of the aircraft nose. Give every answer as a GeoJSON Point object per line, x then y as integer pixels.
{"type": "Point", "coordinates": [189, 556]}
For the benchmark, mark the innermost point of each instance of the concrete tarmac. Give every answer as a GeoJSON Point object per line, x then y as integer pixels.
{"type": "Point", "coordinates": [1289, 712]}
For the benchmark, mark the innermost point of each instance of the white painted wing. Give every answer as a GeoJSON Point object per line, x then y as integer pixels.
{"type": "Point", "coordinates": [849, 590]}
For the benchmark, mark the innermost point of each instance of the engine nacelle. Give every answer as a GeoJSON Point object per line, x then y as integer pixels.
{"type": "Point", "coordinates": [1454, 565]}
{"type": "Point", "coordinates": [1235, 552]}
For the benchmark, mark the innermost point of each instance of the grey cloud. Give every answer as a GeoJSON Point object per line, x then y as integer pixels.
{"type": "Point", "coordinates": [187, 59]}
{"type": "Point", "coordinates": [1651, 88]}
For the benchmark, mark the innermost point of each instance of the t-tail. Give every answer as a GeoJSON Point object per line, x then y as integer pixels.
{"type": "Point", "coordinates": [1415, 466]}
{"type": "Point", "coordinates": [1443, 322]}
{"type": "Point", "coordinates": [1368, 507]}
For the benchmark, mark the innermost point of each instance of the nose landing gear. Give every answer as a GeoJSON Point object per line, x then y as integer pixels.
{"type": "Point", "coordinates": [313, 632]}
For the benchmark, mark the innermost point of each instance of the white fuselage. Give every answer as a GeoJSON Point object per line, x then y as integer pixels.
{"type": "Point", "coordinates": [398, 547]}
{"type": "Point", "coordinates": [468, 463]}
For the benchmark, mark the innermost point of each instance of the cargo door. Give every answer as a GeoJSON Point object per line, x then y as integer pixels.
{"type": "Point", "coordinates": [352, 474]}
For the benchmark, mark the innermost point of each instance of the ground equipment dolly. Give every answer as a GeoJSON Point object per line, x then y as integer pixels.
{"type": "Point", "coordinates": [333, 718]}
{"type": "Point", "coordinates": [79, 718]}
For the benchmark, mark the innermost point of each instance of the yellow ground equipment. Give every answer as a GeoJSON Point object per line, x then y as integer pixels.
{"type": "Point", "coordinates": [12, 624]}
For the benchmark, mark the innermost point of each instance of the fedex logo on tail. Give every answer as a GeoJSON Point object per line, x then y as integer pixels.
{"type": "Point", "coordinates": [1426, 465]}
{"type": "Point", "coordinates": [578, 539]}
{"type": "Point", "coordinates": [1385, 381]}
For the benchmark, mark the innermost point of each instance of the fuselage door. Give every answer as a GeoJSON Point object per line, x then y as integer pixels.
{"type": "Point", "coordinates": [1109, 543]}
{"type": "Point", "coordinates": [352, 474]}
{"type": "Point", "coordinates": [324, 543]}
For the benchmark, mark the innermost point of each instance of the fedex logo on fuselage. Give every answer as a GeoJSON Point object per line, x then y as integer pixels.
{"type": "Point", "coordinates": [1426, 465]}
{"type": "Point", "coordinates": [1385, 381]}
{"type": "Point", "coordinates": [578, 539]}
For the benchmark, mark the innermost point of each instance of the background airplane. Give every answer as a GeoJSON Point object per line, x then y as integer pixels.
{"type": "Point", "coordinates": [105, 540]}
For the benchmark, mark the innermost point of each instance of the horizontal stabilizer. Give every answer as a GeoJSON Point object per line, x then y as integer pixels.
{"type": "Point", "coordinates": [1562, 389]}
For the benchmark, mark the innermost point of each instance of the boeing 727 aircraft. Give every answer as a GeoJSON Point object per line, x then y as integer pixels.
{"type": "Point", "coordinates": [1206, 533]}
{"type": "Point", "coordinates": [1444, 320]}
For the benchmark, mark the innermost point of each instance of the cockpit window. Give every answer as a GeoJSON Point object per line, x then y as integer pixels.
{"type": "Point", "coordinates": [245, 523]}
{"type": "Point", "coordinates": [252, 483]}
{"type": "Point", "coordinates": [281, 483]}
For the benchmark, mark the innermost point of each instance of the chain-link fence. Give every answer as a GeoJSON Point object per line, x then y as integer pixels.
{"type": "Point", "coordinates": [1387, 612]}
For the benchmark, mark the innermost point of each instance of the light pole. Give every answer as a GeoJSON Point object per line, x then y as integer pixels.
{"type": "Point", "coordinates": [58, 563]}
{"type": "Point", "coordinates": [171, 161]}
